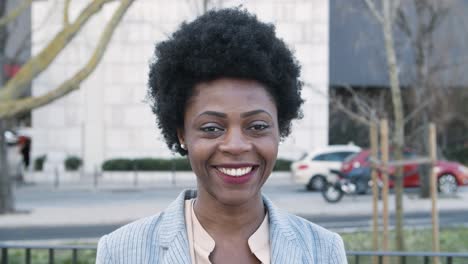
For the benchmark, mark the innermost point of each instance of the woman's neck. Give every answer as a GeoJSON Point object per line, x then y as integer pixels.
{"type": "Point", "coordinates": [229, 220]}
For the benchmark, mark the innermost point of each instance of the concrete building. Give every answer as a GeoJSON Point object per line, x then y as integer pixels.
{"type": "Point", "coordinates": [108, 117]}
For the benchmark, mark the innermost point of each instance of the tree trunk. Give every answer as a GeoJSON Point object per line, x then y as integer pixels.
{"type": "Point", "coordinates": [422, 51]}
{"type": "Point", "coordinates": [3, 40]}
{"type": "Point", "coordinates": [424, 169]}
{"type": "Point", "coordinates": [6, 193]}
{"type": "Point", "coordinates": [399, 136]}
{"type": "Point", "coordinates": [423, 121]}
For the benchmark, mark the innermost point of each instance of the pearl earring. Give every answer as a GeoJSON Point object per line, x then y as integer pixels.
{"type": "Point", "coordinates": [183, 146]}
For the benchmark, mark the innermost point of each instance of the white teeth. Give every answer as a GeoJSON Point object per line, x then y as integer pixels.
{"type": "Point", "coordinates": [235, 172]}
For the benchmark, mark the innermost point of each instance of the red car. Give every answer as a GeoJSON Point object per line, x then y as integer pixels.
{"type": "Point", "coordinates": [450, 175]}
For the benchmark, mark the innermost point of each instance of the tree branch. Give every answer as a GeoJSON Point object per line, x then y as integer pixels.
{"type": "Point", "coordinates": [12, 15]}
{"type": "Point", "coordinates": [339, 105]}
{"type": "Point", "coordinates": [25, 43]}
{"type": "Point", "coordinates": [370, 4]}
{"type": "Point", "coordinates": [14, 107]}
{"type": "Point", "coordinates": [363, 106]}
{"type": "Point", "coordinates": [394, 9]}
{"type": "Point", "coordinates": [66, 7]}
{"type": "Point", "coordinates": [16, 86]}
{"type": "Point", "coordinates": [351, 114]}
{"type": "Point", "coordinates": [402, 22]}
{"type": "Point", "coordinates": [421, 106]}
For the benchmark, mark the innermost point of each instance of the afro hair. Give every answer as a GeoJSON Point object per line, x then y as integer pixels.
{"type": "Point", "coordinates": [228, 43]}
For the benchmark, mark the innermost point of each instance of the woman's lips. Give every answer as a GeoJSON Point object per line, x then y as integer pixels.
{"type": "Point", "coordinates": [236, 174]}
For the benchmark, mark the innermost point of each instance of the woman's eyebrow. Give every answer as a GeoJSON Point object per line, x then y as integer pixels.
{"type": "Point", "coordinates": [254, 112]}
{"type": "Point", "coordinates": [213, 113]}
{"type": "Point", "coordinates": [243, 115]}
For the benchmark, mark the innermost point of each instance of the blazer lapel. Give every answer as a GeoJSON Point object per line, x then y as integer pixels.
{"type": "Point", "coordinates": [283, 241]}
{"type": "Point", "coordinates": [177, 252]}
{"type": "Point", "coordinates": [173, 235]}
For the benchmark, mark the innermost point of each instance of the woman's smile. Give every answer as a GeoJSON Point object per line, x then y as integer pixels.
{"type": "Point", "coordinates": [236, 173]}
{"type": "Point", "coordinates": [235, 170]}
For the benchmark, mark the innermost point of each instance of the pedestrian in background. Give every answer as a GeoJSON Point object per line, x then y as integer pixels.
{"type": "Point", "coordinates": [224, 89]}
{"type": "Point", "coordinates": [24, 144]}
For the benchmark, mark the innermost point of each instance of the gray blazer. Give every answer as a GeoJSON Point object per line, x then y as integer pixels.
{"type": "Point", "coordinates": [162, 238]}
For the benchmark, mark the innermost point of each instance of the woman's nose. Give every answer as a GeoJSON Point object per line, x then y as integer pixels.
{"type": "Point", "coordinates": [235, 142]}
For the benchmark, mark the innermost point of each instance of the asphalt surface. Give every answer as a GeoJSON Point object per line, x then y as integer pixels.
{"type": "Point", "coordinates": [75, 212]}
{"type": "Point", "coordinates": [342, 224]}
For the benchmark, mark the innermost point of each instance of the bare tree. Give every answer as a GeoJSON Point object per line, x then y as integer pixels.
{"type": "Point", "coordinates": [6, 199]}
{"type": "Point", "coordinates": [384, 11]}
{"type": "Point", "coordinates": [12, 102]}
{"type": "Point", "coordinates": [434, 72]}
{"type": "Point", "coordinates": [418, 21]}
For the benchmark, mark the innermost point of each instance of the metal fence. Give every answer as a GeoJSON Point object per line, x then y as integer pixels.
{"type": "Point", "coordinates": [48, 255]}
{"type": "Point", "coordinates": [11, 253]}
{"type": "Point", "coordinates": [361, 257]}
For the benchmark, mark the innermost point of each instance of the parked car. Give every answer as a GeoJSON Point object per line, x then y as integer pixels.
{"type": "Point", "coordinates": [312, 169]}
{"type": "Point", "coordinates": [11, 138]}
{"type": "Point", "coordinates": [450, 175]}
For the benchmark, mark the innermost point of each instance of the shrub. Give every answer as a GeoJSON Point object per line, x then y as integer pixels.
{"type": "Point", "coordinates": [39, 162]}
{"type": "Point", "coordinates": [149, 164]}
{"type": "Point", "coordinates": [146, 164]}
{"type": "Point", "coordinates": [72, 163]}
{"type": "Point", "coordinates": [158, 164]}
{"type": "Point", "coordinates": [182, 164]}
{"type": "Point", "coordinates": [282, 165]}
{"type": "Point", "coordinates": [457, 154]}
{"type": "Point", "coordinates": [117, 165]}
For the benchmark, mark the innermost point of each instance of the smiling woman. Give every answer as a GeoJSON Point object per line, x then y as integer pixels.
{"type": "Point", "coordinates": [225, 90]}
{"type": "Point", "coordinates": [231, 135]}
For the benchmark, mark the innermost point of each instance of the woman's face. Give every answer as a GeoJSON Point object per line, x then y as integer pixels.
{"type": "Point", "coordinates": [231, 135]}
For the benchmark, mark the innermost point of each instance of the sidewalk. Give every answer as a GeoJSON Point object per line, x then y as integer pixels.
{"type": "Point", "coordinates": [81, 205]}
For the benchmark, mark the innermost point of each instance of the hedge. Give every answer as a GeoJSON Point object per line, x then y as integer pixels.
{"type": "Point", "coordinates": [282, 165]}
{"type": "Point", "coordinates": [457, 154]}
{"type": "Point", "coordinates": [146, 164]}
{"type": "Point", "coordinates": [39, 162]}
{"type": "Point", "coordinates": [154, 164]}
{"type": "Point", "coordinates": [72, 163]}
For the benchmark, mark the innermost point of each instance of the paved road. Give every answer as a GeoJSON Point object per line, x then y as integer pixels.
{"type": "Point", "coordinates": [341, 224]}
{"type": "Point", "coordinates": [77, 212]}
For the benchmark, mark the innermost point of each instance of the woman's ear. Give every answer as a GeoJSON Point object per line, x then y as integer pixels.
{"type": "Point", "coordinates": [180, 136]}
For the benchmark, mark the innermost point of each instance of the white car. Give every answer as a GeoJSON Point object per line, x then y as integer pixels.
{"type": "Point", "coordinates": [312, 169]}
{"type": "Point", "coordinates": [11, 137]}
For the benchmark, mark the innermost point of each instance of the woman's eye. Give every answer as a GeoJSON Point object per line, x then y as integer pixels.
{"type": "Point", "coordinates": [259, 127]}
{"type": "Point", "coordinates": [211, 129]}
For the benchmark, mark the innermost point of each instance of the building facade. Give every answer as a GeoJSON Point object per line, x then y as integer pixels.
{"type": "Point", "coordinates": [108, 117]}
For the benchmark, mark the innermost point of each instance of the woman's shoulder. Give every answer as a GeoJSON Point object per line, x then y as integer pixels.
{"type": "Point", "coordinates": [302, 228]}
{"type": "Point", "coordinates": [136, 228]}
{"type": "Point", "coordinates": [139, 235]}
{"type": "Point", "coordinates": [318, 241]}
{"type": "Point", "coordinates": [305, 227]}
